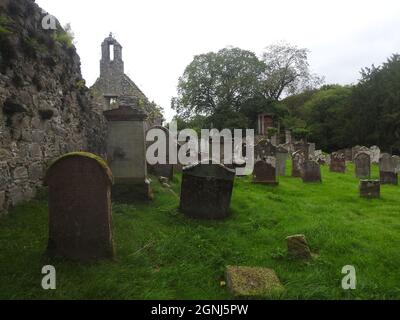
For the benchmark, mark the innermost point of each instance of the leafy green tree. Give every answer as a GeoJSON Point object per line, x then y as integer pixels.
{"type": "Point", "coordinates": [374, 116]}
{"type": "Point", "coordinates": [217, 86]}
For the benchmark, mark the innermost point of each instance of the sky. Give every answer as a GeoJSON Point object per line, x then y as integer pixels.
{"type": "Point", "coordinates": [161, 37]}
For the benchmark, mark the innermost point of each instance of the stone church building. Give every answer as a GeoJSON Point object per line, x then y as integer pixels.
{"type": "Point", "coordinates": [114, 83]}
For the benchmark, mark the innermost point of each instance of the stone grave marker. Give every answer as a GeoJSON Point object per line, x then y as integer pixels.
{"type": "Point", "coordinates": [264, 149]}
{"type": "Point", "coordinates": [311, 171]}
{"type": "Point", "coordinates": [80, 208]}
{"type": "Point", "coordinates": [281, 157]}
{"type": "Point", "coordinates": [362, 164]}
{"type": "Point", "coordinates": [265, 172]}
{"type": "Point", "coordinates": [298, 247]}
{"type": "Point", "coordinates": [126, 151]}
{"type": "Point", "coordinates": [338, 162]}
{"type": "Point", "coordinates": [298, 158]}
{"type": "Point", "coordinates": [206, 190]}
{"type": "Point", "coordinates": [370, 189]}
{"type": "Point", "coordinates": [387, 169]}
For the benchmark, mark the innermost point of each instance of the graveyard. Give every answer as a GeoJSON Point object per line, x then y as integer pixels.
{"type": "Point", "coordinates": [161, 254]}
{"type": "Point", "coordinates": [259, 181]}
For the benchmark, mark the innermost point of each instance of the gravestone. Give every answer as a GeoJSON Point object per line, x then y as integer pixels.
{"type": "Point", "coordinates": [298, 247]}
{"type": "Point", "coordinates": [370, 189]}
{"type": "Point", "coordinates": [354, 151]}
{"type": "Point", "coordinates": [264, 149]}
{"type": "Point", "coordinates": [281, 157]}
{"type": "Point", "coordinates": [387, 169]}
{"type": "Point", "coordinates": [311, 171]}
{"type": "Point", "coordinates": [206, 190]}
{"type": "Point", "coordinates": [265, 172]}
{"type": "Point", "coordinates": [80, 208]}
{"type": "Point", "coordinates": [338, 162]}
{"type": "Point", "coordinates": [126, 151]}
{"type": "Point", "coordinates": [298, 158]}
{"type": "Point", "coordinates": [362, 163]}
{"type": "Point", "coordinates": [375, 154]}
{"type": "Point", "coordinates": [396, 160]}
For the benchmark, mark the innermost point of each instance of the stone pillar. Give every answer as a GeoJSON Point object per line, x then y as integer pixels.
{"type": "Point", "coordinates": [288, 136]}
{"type": "Point", "coordinates": [126, 151]}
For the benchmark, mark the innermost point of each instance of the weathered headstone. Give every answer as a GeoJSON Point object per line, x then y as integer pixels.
{"type": "Point", "coordinates": [206, 190]}
{"type": "Point", "coordinates": [298, 247]}
{"type": "Point", "coordinates": [303, 147]}
{"type": "Point", "coordinates": [354, 151]}
{"type": "Point", "coordinates": [311, 171]}
{"type": "Point", "coordinates": [264, 149]}
{"type": "Point", "coordinates": [298, 158]}
{"type": "Point", "coordinates": [396, 160]}
{"type": "Point", "coordinates": [252, 282]}
{"type": "Point", "coordinates": [126, 151]}
{"type": "Point", "coordinates": [281, 157]}
{"type": "Point", "coordinates": [338, 162]}
{"type": "Point", "coordinates": [80, 208]}
{"type": "Point", "coordinates": [311, 151]}
{"type": "Point", "coordinates": [265, 172]}
{"type": "Point", "coordinates": [362, 163]}
{"type": "Point", "coordinates": [387, 169]}
{"type": "Point", "coordinates": [370, 189]}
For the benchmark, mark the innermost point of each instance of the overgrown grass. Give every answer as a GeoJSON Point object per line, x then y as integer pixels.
{"type": "Point", "coordinates": [163, 255]}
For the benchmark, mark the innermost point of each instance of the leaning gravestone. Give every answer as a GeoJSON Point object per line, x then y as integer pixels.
{"type": "Point", "coordinates": [370, 189]}
{"type": "Point", "coordinates": [387, 169]}
{"type": "Point", "coordinates": [281, 157]}
{"type": "Point", "coordinates": [265, 172]}
{"type": "Point", "coordinates": [80, 208]}
{"type": "Point", "coordinates": [126, 151]}
{"type": "Point", "coordinates": [264, 149]}
{"type": "Point", "coordinates": [362, 162]}
{"type": "Point", "coordinates": [311, 171]}
{"type": "Point", "coordinates": [338, 162]}
{"type": "Point", "coordinates": [298, 158]}
{"type": "Point", "coordinates": [206, 190]}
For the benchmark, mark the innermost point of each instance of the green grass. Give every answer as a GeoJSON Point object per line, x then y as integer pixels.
{"type": "Point", "coordinates": [163, 255]}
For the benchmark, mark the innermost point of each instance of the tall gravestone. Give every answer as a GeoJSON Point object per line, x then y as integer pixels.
{"type": "Point", "coordinates": [281, 157]}
{"type": "Point", "coordinates": [298, 158]}
{"type": "Point", "coordinates": [375, 154]}
{"type": "Point", "coordinates": [338, 162]}
{"type": "Point", "coordinates": [126, 151]}
{"type": "Point", "coordinates": [311, 171]}
{"type": "Point", "coordinates": [387, 169]}
{"type": "Point", "coordinates": [206, 191]}
{"type": "Point", "coordinates": [362, 163]}
{"type": "Point", "coordinates": [80, 208]}
{"type": "Point", "coordinates": [265, 172]}
{"type": "Point", "coordinates": [396, 160]}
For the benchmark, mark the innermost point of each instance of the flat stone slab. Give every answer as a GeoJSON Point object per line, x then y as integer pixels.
{"type": "Point", "coordinates": [252, 282]}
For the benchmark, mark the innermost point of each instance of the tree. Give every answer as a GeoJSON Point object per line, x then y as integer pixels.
{"type": "Point", "coordinates": [374, 116]}
{"type": "Point", "coordinates": [287, 71]}
{"type": "Point", "coordinates": [217, 86]}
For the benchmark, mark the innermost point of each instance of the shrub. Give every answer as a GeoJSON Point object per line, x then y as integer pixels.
{"type": "Point", "coordinates": [65, 37]}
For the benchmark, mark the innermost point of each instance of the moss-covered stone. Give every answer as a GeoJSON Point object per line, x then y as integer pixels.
{"type": "Point", "coordinates": [89, 155]}
{"type": "Point", "coordinates": [252, 282]}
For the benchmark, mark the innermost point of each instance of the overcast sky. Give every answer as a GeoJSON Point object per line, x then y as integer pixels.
{"type": "Point", "coordinates": [160, 37]}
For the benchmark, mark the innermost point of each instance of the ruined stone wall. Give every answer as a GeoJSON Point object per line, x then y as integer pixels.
{"type": "Point", "coordinates": [45, 107]}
